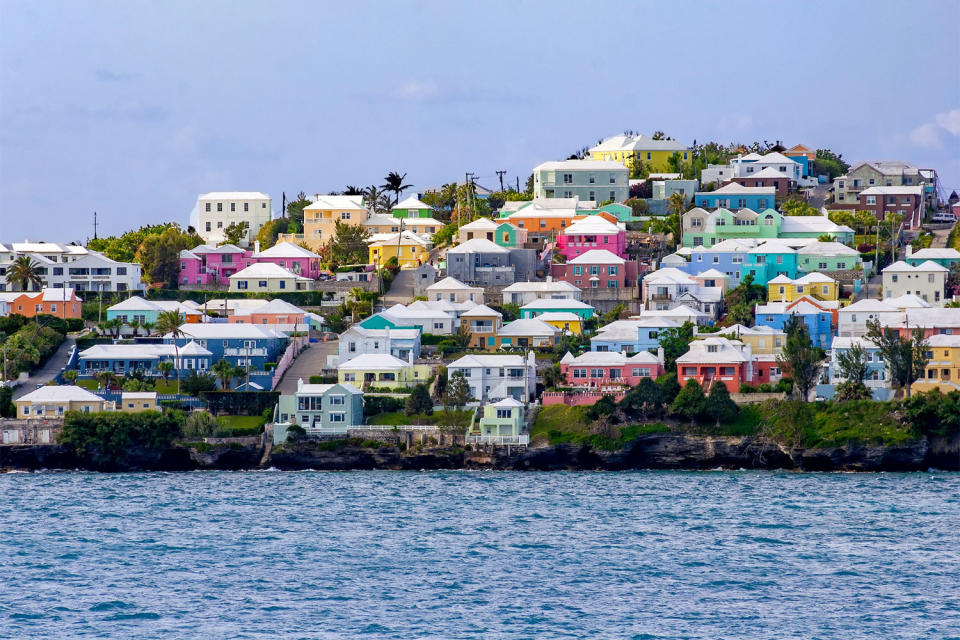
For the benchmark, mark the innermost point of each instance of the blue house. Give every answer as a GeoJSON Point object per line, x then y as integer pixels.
{"type": "Point", "coordinates": [734, 197]}
{"type": "Point", "coordinates": [249, 346]}
{"type": "Point", "coordinates": [123, 359]}
{"type": "Point", "coordinates": [569, 305]}
{"type": "Point", "coordinates": [769, 260]}
{"type": "Point", "coordinates": [726, 257]}
{"type": "Point", "coordinates": [819, 320]}
{"type": "Point", "coordinates": [632, 336]}
{"type": "Point", "coordinates": [139, 310]}
{"type": "Point", "coordinates": [877, 379]}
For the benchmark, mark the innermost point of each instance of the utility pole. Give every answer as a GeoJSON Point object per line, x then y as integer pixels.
{"type": "Point", "coordinates": [468, 180]}
{"type": "Point", "coordinates": [518, 184]}
{"type": "Point", "coordinates": [399, 237]}
{"type": "Point", "coordinates": [94, 225]}
{"type": "Point", "coordinates": [500, 175]}
{"type": "Point", "coordinates": [283, 210]}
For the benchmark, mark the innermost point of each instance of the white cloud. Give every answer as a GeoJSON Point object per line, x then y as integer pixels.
{"type": "Point", "coordinates": [950, 120]}
{"type": "Point", "coordinates": [415, 90]}
{"type": "Point", "coordinates": [926, 135]}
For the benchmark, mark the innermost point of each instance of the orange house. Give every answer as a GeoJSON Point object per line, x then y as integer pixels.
{"type": "Point", "coordinates": [543, 221]}
{"type": "Point", "coordinates": [276, 312]}
{"type": "Point", "coordinates": [62, 303]}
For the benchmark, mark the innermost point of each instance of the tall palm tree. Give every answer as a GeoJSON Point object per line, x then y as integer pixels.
{"type": "Point", "coordinates": [105, 378]}
{"type": "Point", "coordinates": [165, 367]}
{"type": "Point", "coordinates": [377, 199]}
{"type": "Point", "coordinates": [24, 271]}
{"type": "Point", "coordinates": [676, 204]}
{"type": "Point", "coordinates": [168, 323]}
{"type": "Point", "coordinates": [352, 190]}
{"type": "Point", "coordinates": [356, 295]}
{"type": "Point", "coordinates": [224, 372]}
{"type": "Point", "coordinates": [394, 182]}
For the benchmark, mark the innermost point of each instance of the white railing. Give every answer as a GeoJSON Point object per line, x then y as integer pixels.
{"type": "Point", "coordinates": [522, 440]}
{"type": "Point", "coordinates": [241, 351]}
{"type": "Point", "coordinates": [327, 431]}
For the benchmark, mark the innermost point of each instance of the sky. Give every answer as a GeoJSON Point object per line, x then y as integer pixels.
{"type": "Point", "coordinates": [131, 109]}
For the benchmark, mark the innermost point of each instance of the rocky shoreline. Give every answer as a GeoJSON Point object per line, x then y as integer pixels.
{"type": "Point", "coordinates": [652, 451]}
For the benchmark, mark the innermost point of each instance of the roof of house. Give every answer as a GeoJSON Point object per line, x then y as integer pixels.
{"type": "Point", "coordinates": [508, 402]}
{"type": "Point", "coordinates": [928, 265]}
{"type": "Point", "coordinates": [711, 273]}
{"type": "Point", "coordinates": [733, 188]}
{"type": "Point", "coordinates": [597, 256]}
{"type": "Point", "coordinates": [592, 225]}
{"type": "Point", "coordinates": [668, 275]}
{"type": "Point", "coordinates": [812, 225]}
{"type": "Point", "coordinates": [399, 334]}
{"type": "Point", "coordinates": [60, 393]}
{"type": "Point", "coordinates": [528, 327]}
{"type": "Point", "coordinates": [336, 202]}
{"type": "Point", "coordinates": [772, 246]}
{"type": "Point", "coordinates": [225, 330]}
{"type": "Point", "coordinates": [730, 245]}
{"type": "Point", "coordinates": [741, 330]}
{"type": "Point", "coordinates": [580, 165]}
{"type": "Point", "coordinates": [481, 224]}
{"type": "Point", "coordinates": [277, 305]}
{"type": "Point", "coordinates": [266, 270]}
{"type": "Point", "coordinates": [626, 330]}
{"type": "Point", "coordinates": [481, 311]}
{"type": "Point", "coordinates": [832, 249]}
{"type": "Point", "coordinates": [380, 219]}
{"type": "Point", "coordinates": [768, 172]}
{"type": "Point", "coordinates": [775, 157]}
{"type": "Point", "coordinates": [449, 283]}
{"type": "Point", "coordinates": [679, 311]}
{"type": "Point", "coordinates": [799, 307]}
{"type": "Point", "coordinates": [233, 195]}
{"type": "Point", "coordinates": [935, 253]}
{"type": "Point", "coordinates": [944, 340]}
{"type": "Point", "coordinates": [418, 309]}
{"type": "Point", "coordinates": [812, 277]}
{"type": "Point", "coordinates": [847, 342]}
{"type": "Point", "coordinates": [286, 250]}
{"type": "Point", "coordinates": [139, 395]}
{"type": "Point", "coordinates": [373, 362]}
{"type": "Point", "coordinates": [893, 191]}
{"type": "Point", "coordinates": [478, 245]}
{"type": "Point", "coordinates": [472, 360]}
{"type": "Point", "coordinates": [609, 358]}
{"type": "Point", "coordinates": [726, 350]}
{"type": "Point", "coordinates": [550, 303]}
{"type": "Point", "coordinates": [402, 238]}
{"type": "Point", "coordinates": [316, 389]}
{"type": "Point", "coordinates": [624, 142]}
{"type": "Point", "coordinates": [559, 316]}
{"type": "Point", "coordinates": [223, 248]}
{"type": "Point", "coordinates": [550, 285]}
{"type": "Point", "coordinates": [411, 202]}
{"type": "Point", "coordinates": [907, 301]}
{"type": "Point", "coordinates": [143, 351]}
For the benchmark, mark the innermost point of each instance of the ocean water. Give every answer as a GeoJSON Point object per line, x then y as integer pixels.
{"type": "Point", "coordinates": [480, 555]}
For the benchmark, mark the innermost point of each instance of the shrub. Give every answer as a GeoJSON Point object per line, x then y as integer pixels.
{"type": "Point", "coordinates": [785, 385]}
{"type": "Point", "coordinates": [107, 438]}
{"type": "Point", "coordinates": [746, 388]}
{"type": "Point", "coordinates": [373, 405]}
{"type": "Point", "coordinates": [295, 433]}
{"type": "Point", "coordinates": [323, 379]}
{"type": "Point", "coordinates": [766, 387]}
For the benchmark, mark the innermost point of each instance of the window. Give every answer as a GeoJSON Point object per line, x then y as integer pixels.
{"type": "Point", "coordinates": [241, 284]}
{"type": "Point", "coordinates": [642, 371]}
{"type": "Point", "coordinates": [894, 277]}
{"type": "Point", "coordinates": [246, 206]}
{"type": "Point", "coordinates": [338, 417]}
{"type": "Point", "coordinates": [761, 203]}
{"type": "Point", "coordinates": [219, 224]}
{"type": "Point", "coordinates": [219, 206]}
{"type": "Point", "coordinates": [612, 270]}
{"type": "Point", "coordinates": [613, 195]}
{"type": "Point", "coordinates": [121, 271]}
{"type": "Point", "coordinates": [825, 290]}
{"type": "Point", "coordinates": [711, 348]}
{"type": "Point", "coordinates": [503, 413]}
{"type": "Point", "coordinates": [611, 284]}
{"type": "Point", "coordinates": [58, 271]}
{"type": "Point", "coordinates": [593, 195]}
{"type": "Point", "coordinates": [613, 180]}
{"type": "Point", "coordinates": [208, 226]}
{"type": "Point", "coordinates": [568, 178]}
{"type": "Point", "coordinates": [592, 180]}
{"type": "Point", "coordinates": [262, 284]}
{"type": "Point", "coordinates": [577, 270]}
{"type": "Point", "coordinates": [233, 206]}
{"type": "Point", "coordinates": [337, 400]}
{"type": "Point", "coordinates": [596, 373]}
{"type": "Point", "coordinates": [579, 373]}
{"type": "Point", "coordinates": [871, 199]}
{"type": "Point", "coordinates": [648, 155]}
{"type": "Point", "coordinates": [207, 207]}
{"type": "Point", "coordinates": [614, 374]}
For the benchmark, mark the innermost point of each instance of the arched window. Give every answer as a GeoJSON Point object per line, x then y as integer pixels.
{"type": "Point", "coordinates": [768, 219]}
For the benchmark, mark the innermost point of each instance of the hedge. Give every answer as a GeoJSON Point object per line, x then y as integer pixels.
{"type": "Point", "coordinates": [243, 403]}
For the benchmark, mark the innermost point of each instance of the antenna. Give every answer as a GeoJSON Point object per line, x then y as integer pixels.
{"type": "Point", "coordinates": [94, 225]}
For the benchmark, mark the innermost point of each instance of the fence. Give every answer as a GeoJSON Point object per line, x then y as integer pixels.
{"type": "Point", "coordinates": [577, 398]}
{"type": "Point", "coordinates": [521, 440]}
{"type": "Point", "coordinates": [293, 350]}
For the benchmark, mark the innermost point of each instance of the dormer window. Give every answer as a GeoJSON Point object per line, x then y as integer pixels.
{"type": "Point", "coordinates": [711, 348]}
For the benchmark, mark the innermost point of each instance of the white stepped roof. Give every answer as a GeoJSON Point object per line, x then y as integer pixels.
{"type": "Point", "coordinates": [934, 253]}
{"type": "Point", "coordinates": [478, 245]}
{"type": "Point", "coordinates": [597, 256]}
{"type": "Point", "coordinates": [325, 202]}
{"type": "Point", "coordinates": [545, 287]}
{"type": "Point", "coordinates": [286, 250]}
{"type": "Point", "coordinates": [373, 362]}
{"type": "Point", "coordinates": [550, 303]}
{"type": "Point", "coordinates": [411, 202]}
{"type": "Point", "coordinates": [528, 327]}
{"type": "Point", "coordinates": [451, 283]}
{"type": "Point", "coordinates": [900, 266]}
{"type": "Point", "coordinates": [724, 350]}
{"type": "Point", "coordinates": [61, 393]}
{"type": "Point", "coordinates": [234, 195]}
{"type": "Point", "coordinates": [580, 165]}
{"type": "Point", "coordinates": [481, 224]}
{"type": "Point", "coordinates": [481, 311]}
{"type": "Point", "coordinates": [266, 270]}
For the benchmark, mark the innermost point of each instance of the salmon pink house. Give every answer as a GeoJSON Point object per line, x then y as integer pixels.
{"type": "Point", "coordinates": [729, 361]}
{"type": "Point", "coordinates": [597, 369]}
{"type": "Point", "coordinates": [209, 265]}
{"type": "Point", "coordinates": [593, 232]}
{"type": "Point", "coordinates": [597, 269]}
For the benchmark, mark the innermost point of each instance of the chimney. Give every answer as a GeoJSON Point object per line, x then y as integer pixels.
{"type": "Point", "coordinates": [549, 278]}
{"type": "Point", "coordinates": [316, 197]}
{"type": "Point", "coordinates": [299, 384]}
{"type": "Point", "coordinates": [410, 357]}
{"type": "Point", "coordinates": [256, 246]}
{"type": "Point", "coordinates": [909, 250]}
{"type": "Point", "coordinates": [660, 354]}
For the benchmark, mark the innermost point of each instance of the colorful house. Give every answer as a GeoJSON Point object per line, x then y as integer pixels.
{"type": "Point", "coordinates": [877, 379]}
{"type": "Point", "coordinates": [452, 290]}
{"type": "Point", "coordinates": [211, 265]}
{"type": "Point", "coordinates": [522, 293]}
{"type": "Point", "coordinates": [266, 277]}
{"type": "Point", "coordinates": [358, 340]}
{"type": "Point", "coordinates": [610, 368]}
{"type": "Point", "coordinates": [319, 409]}
{"type": "Point", "coordinates": [769, 260]}
{"type": "Point", "coordinates": [927, 281]}
{"type": "Point", "coordinates": [802, 155]}
{"type": "Point", "coordinates": [122, 359]}
{"type": "Point", "coordinates": [735, 197]}
{"type": "Point", "coordinates": [525, 334]}
{"type": "Point", "coordinates": [52, 403]}
{"type": "Point", "coordinates": [495, 377]}
{"type": "Point", "coordinates": [411, 207]}
{"type": "Point", "coordinates": [136, 401]}
{"type": "Point", "coordinates": [138, 311]}
{"type": "Point", "coordinates": [597, 269]}
{"type": "Point", "coordinates": [321, 217]}
{"type": "Point", "coordinates": [567, 322]}
{"type": "Point", "coordinates": [483, 262]}
{"type": "Point", "coordinates": [943, 257]}
{"type": "Point", "coordinates": [539, 307]}
{"type": "Point", "coordinates": [382, 370]}
{"type": "Point", "coordinates": [590, 180]}
{"type": "Point", "coordinates": [429, 317]}
{"type": "Point", "coordinates": [288, 255]}
{"type": "Point", "coordinates": [249, 346]}
{"type": "Point", "coordinates": [62, 303]}
{"type": "Point", "coordinates": [480, 228]}
{"type": "Point", "coordinates": [717, 359]}
{"type": "Point", "coordinates": [827, 256]}
{"type": "Point", "coordinates": [276, 314]}
{"type": "Point", "coordinates": [667, 288]}
{"type": "Point", "coordinates": [502, 423]}
{"type": "Point", "coordinates": [762, 340]}
{"type": "Point", "coordinates": [590, 233]}
{"type": "Point", "coordinates": [821, 287]}
{"type": "Point", "coordinates": [653, 154]}
{"type": "Point", "coordinates": [819, 318]}
{"type": "Point", "coordinates": [482, 323]}
{"type": "Point", "coordinates": [703, 228]}
{"type": "Point", "coordinates": [411, 249]}
{"type": "Point", "coordinates": [632, 336]}
{"type": "Point", "coordinates": [943, 367]}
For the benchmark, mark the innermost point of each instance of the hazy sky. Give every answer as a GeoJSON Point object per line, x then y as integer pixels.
{"type": "Point", "coordinates": [134, 108]}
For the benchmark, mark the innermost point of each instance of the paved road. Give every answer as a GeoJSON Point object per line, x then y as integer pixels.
{"type": "Point", "coordinates": [48, 371]}
{"type": "Point", "coordinates": [309, 363]}
{"type": "Point", "coordinates": [818, 195]}
{"type": "Point", "coordinates": [940, 238]}
{"type": "Point", "coordinates": [401, 289]}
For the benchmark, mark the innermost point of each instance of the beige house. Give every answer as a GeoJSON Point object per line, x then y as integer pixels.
{"type": "Point", "coordinates": [268, 277]}
{"type": "Point", "coordinates": [52, 402]}
{"type": "Point", "coordinates": [927, 281]}
{"type": "Point", "coordinates": [846, 188]}
{"type": "Point", "coordinates": [320, 219]}
{"type": "Point", "coordinates": [452, 290]}
{"type": "Point", "coordinates": [131, 402]}
{"type": "Point", "coordinates": [219, 209]}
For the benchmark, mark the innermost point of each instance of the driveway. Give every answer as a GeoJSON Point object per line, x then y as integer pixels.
{"type": "Point", "coordinates": [48, 371]}
{"type": "Point", "coordinates": [401, 289]}
{"type": "Point", "coordinates": [940, 238]}
{"type": "Point", "coordinates": [309, 363]}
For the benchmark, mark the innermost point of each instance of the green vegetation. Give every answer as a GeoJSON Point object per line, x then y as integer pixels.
{"type": "Point", "coordinates": [28, 343]}
{"type": "Point", "coordinates": [229, 426]}
{"type": "Point", "coordinates": [109, 438]}
{"type": "Point", "coordinates": [402, 418]}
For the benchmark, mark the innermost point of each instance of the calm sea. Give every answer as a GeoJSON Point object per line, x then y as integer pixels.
{"type": "Point", "coordinates": [480, 555]}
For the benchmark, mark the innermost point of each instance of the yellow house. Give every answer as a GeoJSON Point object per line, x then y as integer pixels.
{"type": "Point", "coordinates": [409, 248]}
{"type": "Point", "coordinates": [943, 366]}
{"type": "Point", "coordinates": [564, 320]}
{"type": "Point", "coordinates": [382, 224]}
{"type": "Point", "coordinates": [52, 402]}
{"type": "Point", "coordinates": [134, 401]}
{"type": "Point", "coordinates": [654, 155]}
{"type": "Point", "coordinates": [814, 284]}
{"type": "Point", "coordinates": [382, 370]}
{"type": "Point", "coordinates": [320, 219]}
{"type": "Point", "coordinates": [762, 340]}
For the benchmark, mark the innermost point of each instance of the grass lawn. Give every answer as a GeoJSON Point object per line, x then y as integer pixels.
{"type": "Point", "coordinates": [89, 385]}
{"type": "Point", "coordinates": [238, 426]}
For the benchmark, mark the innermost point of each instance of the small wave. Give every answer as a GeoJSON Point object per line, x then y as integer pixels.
{"type": "Point", "coordinates": [110, 605]}
{"type": "Point", "coordinates": [143, 615]}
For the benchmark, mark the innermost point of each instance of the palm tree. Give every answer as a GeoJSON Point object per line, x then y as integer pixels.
{"type": "Point", "coordinates": [168, 323]}
{"type": "Point", "coordinates": [352, 190]}
{"type": "Point", "coordinates": [355, 296]}
{"type": "Point", "coordinates": [394, 182]}
{"type": "Point", "coordinates": [377, 200]}
{"type": "Point", "coordinates": [148, 327]}
{"type": "Point", "coordinates": [677, 205]}
{"type": "Point", "coordinates": [24, 271]}
{"type": "Point", "coordinates": [70, 375]}
{"type": "Point", "coordinates": [240, 373]}
{"type": "Point", "coordinates": [105, 378]}
{"type": "Point", "coordinates": [165, 367]}
{"type": "Point", "coordinates": [224, 372]}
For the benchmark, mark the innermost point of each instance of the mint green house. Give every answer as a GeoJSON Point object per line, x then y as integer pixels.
{"type": "Point", "coordinates": [544, 305]}
{"type": "Point", "coordinates": [827, 256]}
{"type": "Point", "coordinates": [502, 423]}
{"type": "Point", "coordinates": [319, 409]}
{"type": "Point", "coordinates": [702, 228]}
{"type": "Point", "coordinates": [769, 260]}
{"type": "Point", "coordinates": [944, 257]}
{"type": "Point", "coordinates": [621, 211]}
{"type": "Point", "coordinates": [412, 208]}
{"type": "Point", "coordinates": [509, 236]}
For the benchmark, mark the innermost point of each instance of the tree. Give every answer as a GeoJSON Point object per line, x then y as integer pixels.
{"type": "Point", "coordinates": [848, 390]}
{"type": "Point", "coordinates": [70, 375]}
{"type": "Point", "coordinates": [199, 424]}
{"type": "Point", "coordinates": [643, 400]}
{"type": "Point", "coordinates": [294, 212]}
{"type": "Point", "coordinates": [675, 342]}
{"type": "Point", "coordinates": [235, 233]}
{"type": "Point", "coordinates": [270, 232]}
{"type": "Point", "coordinates": [25, 272]}
{"type": "Point", "coordinates": [168, 323]}
{"type": "Point", "coordinates": [104, 378]}
{"type": "Point", "coordinates": [800, 359]}
{"type": "Point", "coordinates": [458, 390]}
{"type": "Point", "coordinates": [690, 403]}
{"type": "Point", "coordinates": [419, 402]}
{"type": "Point", "coordinates": [349, 244]}
{"type": "Point", "coordinates": [196, 382]}
{"type": "Point", "coordinates": [740, 313]}
{"type": "Point", "coordinates": [377, 199]}
{"type": "Point", "coordinates": [165, 367]}
{"type": "Point", "coordinates": [159, 255]}
{"type": "Point", "coordinates": [746, 293]}
{"type": "Point", "coordinates": [553, 377]}
{"type": "Point", "coordinates": [853, 363]}
{"type": "Point", "coordinates": [865, 220]}
{"type": "Point", "coordinates": [394, 182]}
{"type": "Point", "coordinates": [829, 164]}
{"type": "Point", "coordinates": [719, 405]}
{"type": "Point", "coordinates": [668, 225]}
{"type": "Point", "coordinates": [796, 207]}
{"type": "Point", "coordinates": [224, 372]}
{"type": "Point", "coordinates": [906, 358]}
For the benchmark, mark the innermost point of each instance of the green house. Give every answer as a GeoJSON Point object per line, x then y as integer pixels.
{"type": "Point", "coordinates": [501, 422]}
{"type": "Point", "coordinates": [544, 305]}
{"type": "Point", "coordinates": [621, 211]}
{"type": "Point", "coordinates": [319, 409]}
{"type": "Point", "coordinates": [509, 236]}
{"type": "Point", "coordinates": [412, 208]}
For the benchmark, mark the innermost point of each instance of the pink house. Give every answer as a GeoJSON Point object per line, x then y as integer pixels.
{"type": "Point", "coordinates": [597, 269]}
{"type": "Point", "coordinates": [275, 314]}
{"type": "Point", "coordinates": [610, 369]}
{"type": "Point", "coordinates": [209, 265]}
{"type": "Point", "coordinates": [592, 232]}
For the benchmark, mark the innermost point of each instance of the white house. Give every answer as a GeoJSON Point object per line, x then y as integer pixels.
{"type": "Point", "coordinates": [71, 266]}
{"type": "Point", "coordinates": [399, 343]}
{"type": "Point", "coordinates": [523, 293]}
{"type": "Point", "coordinates": [217, 210]}
{"type": "Point", "coordinates": [452, 290]}
{"type": "Point", "coordinates": [750, 165]}
{"type": "Point", "coordinates": [667, 288]}
{"type": "Point", "coordinates": [268, 277]}
{"type": "Point", "coordinates": [927, 280]}
{"type": "Point", "coordinates": [484, 228]}
{"type": "Point", "coordinates": [429, 317]}
{"type": "Point", "coordinates": [496, 377]}
{"type": "Point", "coordinates": [852, 319]}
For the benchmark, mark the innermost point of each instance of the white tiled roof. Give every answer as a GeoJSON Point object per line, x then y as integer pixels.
{"type": "Point", "coordinates": [528, 327]}
{"type": "Point", "coordinates": [234, 195]}
{"type": "Point", "coordinates": [266, 270]}
{"type": "Point", "coordinates": [544, 287]}
{"type": "Point", "coordinates": [411, 202]}
{"type": "Point", "coordinates": [827, 249]}
{"type": "Point", "coordinates": [373, 362]}
{"type": "Point", "coordinates": [549, 303]}
{"type": "Point", "coordinates": [472, 360]}
{"type": "Point", "coordinates": [481, 311]}
{"type": "Point", "coordinates": [900, 267]}
{"type": "Point", "coordinates": [225, 330]}
{"type": "Point", "coordinates": [592, 225]}
{"type": "Point", "coordinates": [559, 316]}
{"type": "Point", "coordinates": [892, 191]}
{"type": "Point", "coordinates": [480, 224]}
{"type": "Point", "coordinates": [934, 253]}
{"type": "Point", "coordinates": [286, 250]}
{"type": "Point", "coordinates": [610, 358]}
{"type": "Point", "coordinates": [623, 142]}
{"type": "Point", "coordinates": [325, 202]}
{"type": "Point", "coordinates": [733, 188]}
{"type": "Point", "coordinates": [61, 393]}
{"type": "Point", "coordinates": [478, 245]}
{"type": "Point", "coordinates": [726, 351]}
{"type": "Point", "coordinates": [597, 256]}
{"type": "Point", "coordinates": [451, 283]}
{"type": "Point", "coordinates": [580, 165]}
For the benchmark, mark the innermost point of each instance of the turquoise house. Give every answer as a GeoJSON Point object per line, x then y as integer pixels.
{"type": "Point", "coordinates": [735, 197]}
{"type": "Point", "coordinates": [827, 256]}
{"type": "Point", "coordinates": [319, 409]}
{"type": "Point", "coordinates": [769, 260]}
{"type": "Point", "coordinates": [380, 321]}
{"type": "Point", "coordinates": [501, 422]}
{"type": "Point", "coordinates": [509, 236]}
{"type": "Point", "coordinates": [137, 309]}
{"type": "Point", "coordinates": [621, 211]}
{"type": "Point", "coordinates": [944, 257]}
{"type": "Point", "coordinates": [539, 307]}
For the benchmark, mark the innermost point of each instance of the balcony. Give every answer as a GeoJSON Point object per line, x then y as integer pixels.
{"type": "Point", "coordinates": [244, 351]}
{"type": "Point", "coordinates": [662, 297]}
{"type": "Point", "coordinates": [481, 329]}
